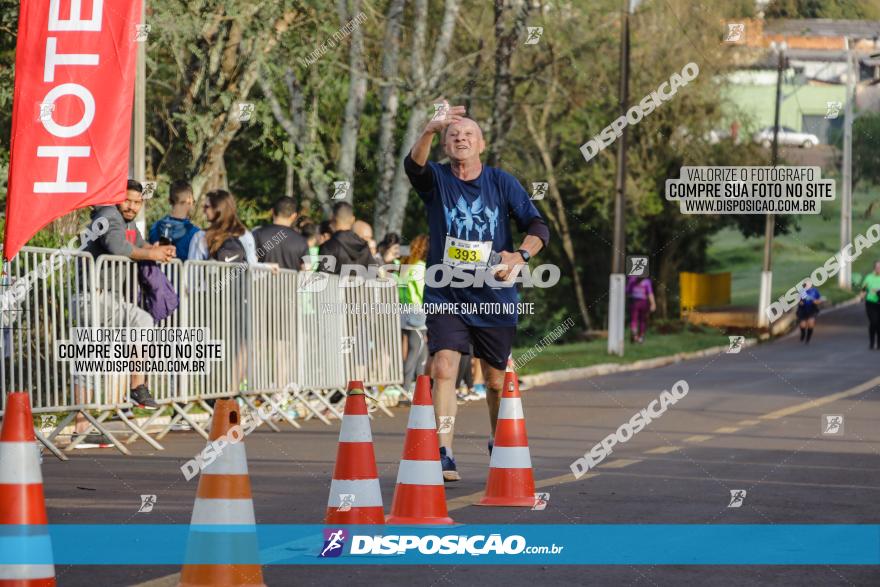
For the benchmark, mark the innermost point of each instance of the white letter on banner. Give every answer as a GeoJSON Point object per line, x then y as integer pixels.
{"type": "Point", "coordinates": [88, 116]}
{"type": "Point", "coordinates": [53, 59]}
{"type": "Point", "coordinates": [75, 22]}
{"type": "Point", "coordinates": [61, 185]}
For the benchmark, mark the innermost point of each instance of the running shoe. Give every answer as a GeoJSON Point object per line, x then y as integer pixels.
{"type": "Point", "coordinates": [523, 386]}
{"type": "Point", "coordinates": [448, 465]}
{"type": "Point", "coordinates": [141, 397]}
{"type": "Point", "coordinates": [479, 390]}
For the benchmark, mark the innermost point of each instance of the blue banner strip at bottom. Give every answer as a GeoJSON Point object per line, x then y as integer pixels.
{"type": "Point", "coordinates": [625, 544]}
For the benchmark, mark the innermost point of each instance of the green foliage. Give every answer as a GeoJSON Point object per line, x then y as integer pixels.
{"type": "Point", "coordinates": [866, 148]}
{"type": "Point", "coordinates": [835, 9]}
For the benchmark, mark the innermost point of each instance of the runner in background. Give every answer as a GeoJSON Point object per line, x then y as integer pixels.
{"type": "Point", "coordinates": [411, 291]}
{"type": "Point", "coordinates": [808, 309]}
{"type": "Point", "coordinates": [469, 208]}
{"type": "Point", "coordinates": [640, 292]}
{"type": "Point", "coordinates": [871, 295]}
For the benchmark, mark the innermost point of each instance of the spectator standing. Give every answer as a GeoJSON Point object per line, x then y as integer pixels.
{"type": "Point", "coordinates": [226, 239]}
{"type": "Point", "coordinates": [278, 242]}
{"type": "Point", "coordinates": [640, 292]}
{"type": "Point", "coordinates": [412, 320]}
{"type": "Point", "coordinates": [114, 306]}
{"type": "Point", "coordinates": [309, 232]}
{"type": "Point", "coordinates": [176, 228]}
{"type": "Point", "coordinates": [347, 247]}
{"type": "Point", "coordinates": [389, 249]}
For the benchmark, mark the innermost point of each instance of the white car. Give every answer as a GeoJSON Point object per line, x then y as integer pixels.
{"type": "Point", "coordinates": [787, 137]}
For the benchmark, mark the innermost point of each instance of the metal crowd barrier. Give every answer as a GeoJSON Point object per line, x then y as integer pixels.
{"type": "Point", "coordinates": [287, 340]}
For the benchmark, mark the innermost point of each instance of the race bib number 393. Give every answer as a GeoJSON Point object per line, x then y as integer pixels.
{"type": "Point", "coordinates": [461, 252]}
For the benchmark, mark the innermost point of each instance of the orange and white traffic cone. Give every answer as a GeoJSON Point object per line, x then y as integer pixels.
{"type": "Point", "coordinates": [355, 496]}
{"type": "Point", "coordinates": [419, 497]}
{"type": "Point", "coordinates": [21, 498]}
{"type": "Point", "coordinates": [224, 499]}
{"type": "Point", "coordinates": [511, 481]}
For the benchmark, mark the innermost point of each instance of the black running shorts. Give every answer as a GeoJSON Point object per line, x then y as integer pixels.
{"type": "Point", "coordinates": [449, 332]}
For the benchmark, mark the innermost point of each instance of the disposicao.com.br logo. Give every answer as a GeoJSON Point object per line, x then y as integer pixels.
{"type": "Point", "coordinates": [479, 544]}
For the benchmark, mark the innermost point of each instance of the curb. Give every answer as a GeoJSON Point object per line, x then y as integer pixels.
{"type": "Point", "coordinates": [562, 375]}
{"type": "Point", "coordinates": [610, 368]}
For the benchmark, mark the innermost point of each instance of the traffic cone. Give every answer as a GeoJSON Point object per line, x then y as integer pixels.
{"type": "Point", "coordinates": [21, 498]}
{"type": "Point", "coordinates": [419, 497]}
{"type": "Point", "coordinates": [355, 496]}
{"type": "Point", "coordinates": [511, 481]}
{"type": "Point", "coordinates": [224, 499]}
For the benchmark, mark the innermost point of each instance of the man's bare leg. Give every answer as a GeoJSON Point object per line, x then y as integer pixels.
{"type": "Point", "coordinates": [444, 370]}
{"type": "Point", "coordinates": [494, 384]}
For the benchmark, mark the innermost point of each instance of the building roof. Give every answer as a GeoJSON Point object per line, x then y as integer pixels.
{"type": "Point", "coordinates": [824, 27]}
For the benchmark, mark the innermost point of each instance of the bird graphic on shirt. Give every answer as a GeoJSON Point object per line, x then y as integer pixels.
{"type": "Point", "coordinates": [492, 216]}
{"type": "Point", "coordinates": [468, 213]}
{"type": "Point", "coordinates": [450, 216]}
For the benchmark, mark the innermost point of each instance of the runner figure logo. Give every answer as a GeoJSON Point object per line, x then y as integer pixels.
{"type": "Point", "coordinates": [440, 111]}
{"type": "Point", "coordinates": [541, 501]}
{"type": "Point", "coordinates": [141, 32]}
{"type": "Point", "coordinates": [832, 109]}
{"type": "Point", "coordinates": [535, 33]}
{"type": "Point", "coordinates": [346, 344]}
{"type": "Point", "coordinates": [245, 111]}
{"type": "Point", "coordinates": [346, 500]}
{"type": "Point", "coordinates": [334, 541]}
{"type": "Point", "coordinates": [638, 266]}
{"type": "Point", "coordinates": [147, 503]}
{"type": "Point", "coordinates": [539, 190]}
{"type": "Point", "coordinates": [149, 189]}
{"type": "Point", "coordinates": [735, 32]}
{"type": "Point", "coordinates": [737, 496]}
{"type": "Point", "coordinates": [340, 190]}
{"type": "Point", "coordinates": [446, 424]}
{"type": "Point", "coordinates": [832, 424]}
{"type": "Point", "coordinates": [736, 344]}
{"type": "Point", "coordinates": [46, 110]}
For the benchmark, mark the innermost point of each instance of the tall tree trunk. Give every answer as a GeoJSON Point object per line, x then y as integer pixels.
{"type": "Point", "coordinates": [558, 219]}
{"type": "Point", "coordinates": [357, 90]}
{"type": "Point", "coordinates": [389, 106]}
{"type": "Point", "coordinates": [426, 87]}
{"type": "Point", "coordinates": [502, 93]}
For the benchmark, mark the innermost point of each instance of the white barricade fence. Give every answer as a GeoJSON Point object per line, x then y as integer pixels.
{"type": "Point", "coordinates": [286, 338]}
{"type": "Point", "coordinates": [371, 345]}
{"type": "Point", "coordinates": [319, 320]}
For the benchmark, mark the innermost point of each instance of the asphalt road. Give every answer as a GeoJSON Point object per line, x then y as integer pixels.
{"type": "Point", "coordinates": [750, 421]}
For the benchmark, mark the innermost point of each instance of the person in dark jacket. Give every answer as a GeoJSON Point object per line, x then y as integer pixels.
{"type": "Point", "coordinates": [176, 228]}
{"type": "Point", "coordinates": [278, 242]}
{"type": "Point", "coordinates": [345, 246]}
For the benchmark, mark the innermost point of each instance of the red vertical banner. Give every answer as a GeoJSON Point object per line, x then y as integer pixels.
{"type": "Point", "coordinates": [71, 110]}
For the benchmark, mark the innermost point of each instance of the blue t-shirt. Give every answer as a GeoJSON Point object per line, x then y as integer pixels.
{"type": "Point", "coordinates": [810, 296]}
{"type": "Point", "coordinates": [476, 211]}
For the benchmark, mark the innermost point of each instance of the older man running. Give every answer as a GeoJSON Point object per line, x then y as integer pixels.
{"type": "Point", "coordinates": [469, 207]}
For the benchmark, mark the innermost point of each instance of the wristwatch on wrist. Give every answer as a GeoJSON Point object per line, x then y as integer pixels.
{"type": "Point", "coordinates": [524, 254]}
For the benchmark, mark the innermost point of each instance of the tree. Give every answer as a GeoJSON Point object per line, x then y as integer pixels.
{"type": "Point", "coordinates": [205, 60]}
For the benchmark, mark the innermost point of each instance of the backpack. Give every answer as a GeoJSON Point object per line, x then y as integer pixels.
{"type": "Point", "coordinates": [231, 251]}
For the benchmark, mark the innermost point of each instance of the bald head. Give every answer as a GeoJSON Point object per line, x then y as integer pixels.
{"type": "Point", "coordinates": [363, 230]}
{"type": "Point", "coordinates": [463, 140]}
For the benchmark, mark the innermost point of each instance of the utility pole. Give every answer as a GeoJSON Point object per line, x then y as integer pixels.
{"type": "Point", "coordinates": [139, 125]}
{"type": "Point", "coordinates": [617, 279]}
{"type": "Point", "coordinates": [844, 278]}
{"type": "Point", "coordinates": [770, 222]}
